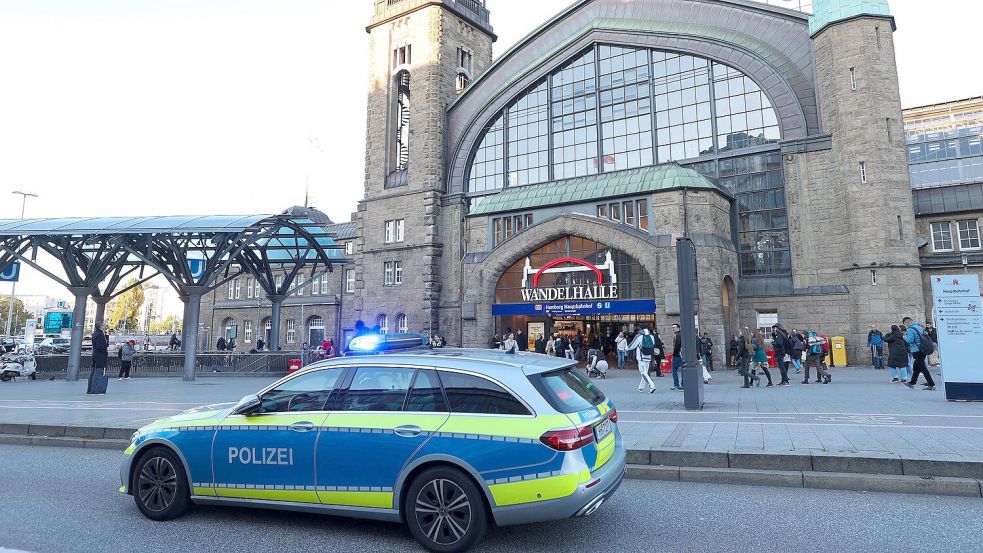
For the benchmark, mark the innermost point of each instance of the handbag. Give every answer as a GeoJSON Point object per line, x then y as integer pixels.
{"type": "Point", "coordinates": [787, 358]}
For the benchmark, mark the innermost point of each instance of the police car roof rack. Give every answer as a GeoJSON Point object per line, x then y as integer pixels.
{"type": "Point", "coordinates": [370, 344]}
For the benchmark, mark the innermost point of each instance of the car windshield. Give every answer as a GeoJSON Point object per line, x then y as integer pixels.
{"type": "Point", "coordinates": [568, 390]}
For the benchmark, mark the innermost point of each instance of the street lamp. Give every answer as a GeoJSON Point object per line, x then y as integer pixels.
{"type": "Point", "coordinates": [13, 288]}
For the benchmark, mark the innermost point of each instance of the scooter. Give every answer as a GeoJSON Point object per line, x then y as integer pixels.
{"type": "Point", "coordinates": [13, 365]}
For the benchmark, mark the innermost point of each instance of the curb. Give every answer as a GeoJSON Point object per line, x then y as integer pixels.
{"type": "Point", "coordinates": [889, 483]}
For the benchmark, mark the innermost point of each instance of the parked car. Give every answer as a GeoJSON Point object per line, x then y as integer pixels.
{"type": "Point", "coordinates": [50, 346]}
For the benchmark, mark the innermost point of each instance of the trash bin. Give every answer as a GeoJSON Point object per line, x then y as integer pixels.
{"type": "Point", "coordinates": [770, 354]}
{"type": "Point", "coordinates": [838, 350]}
{"type": "Point", "coordinates": [294, 365]}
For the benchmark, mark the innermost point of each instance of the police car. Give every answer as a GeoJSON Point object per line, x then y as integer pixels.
{"type": "Point", "coordinates": [447, 441]}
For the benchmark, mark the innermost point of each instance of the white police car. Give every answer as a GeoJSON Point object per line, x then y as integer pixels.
{"type": "Point", "coordinates": [447, 441]}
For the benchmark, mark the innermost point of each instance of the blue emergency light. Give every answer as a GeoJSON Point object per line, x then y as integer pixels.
{"type": "Point", "coordinates": [381, 343]}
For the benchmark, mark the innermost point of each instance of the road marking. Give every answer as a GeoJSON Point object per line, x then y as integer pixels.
{"type": "Point", "coordinates": [859, 419]}
{"type": "Point", "coordinates": [806, 414]}
{"type": "Point", "coordinates": [5, 550]}
{"type": "Point", "coordinates": [813, 424]}
{"type": "Point", "coordinates": [88, 402]}
{"type": "Point", "coordinates": [80, 408]}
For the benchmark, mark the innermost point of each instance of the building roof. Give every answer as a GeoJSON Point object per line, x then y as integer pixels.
{"type": "Point", "coordinates": [669, 176]}
{"type": "Point", "coordinates": [129, 225]}
{"type": "Point", "coordinates": [343, 231]}
{"type": "Point", "coordinates": [827, 12]}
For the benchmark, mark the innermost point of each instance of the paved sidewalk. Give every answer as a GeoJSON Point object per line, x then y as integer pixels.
{"type": "Point", "coordinates": [860, 414]}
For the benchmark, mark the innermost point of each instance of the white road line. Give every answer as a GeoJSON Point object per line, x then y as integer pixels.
{"type": "Point", "coordinates": [5, 550]}
{"type": "Point", "coordinates": [80, 408]}
{"type": "Point", "coordinates": [854, 425]}
{"type": "Point", "coordinates": [85, 401]}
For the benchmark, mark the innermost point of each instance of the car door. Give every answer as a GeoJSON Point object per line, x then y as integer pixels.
{"type": "Point", "coordinates": [269, 455]}
{"type": "Point", "coordinates": [385, 415]}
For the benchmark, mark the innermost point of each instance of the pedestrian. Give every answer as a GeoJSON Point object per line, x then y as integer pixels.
{"type": "Point", "coordinates": [875, 340]}
{"type": "Point", "coordinates": [816, 356]}
{"type": "Point", "coordinates": [100, 355]}
{"type": "Point", "coordinates": [798, 348]}
{"type": "Point", "coordinates": [540, 344]}
{"type": "Point", "coordinates": [920, 346]}
{"type": "Point", "coordinates": [759, 358]}
{"type": "Point", "coordinates": [743, 358]}
{"type": "Point", "coordinates": [550, 346]}
{"type": "Point", "coordinates": [660, 353]}
{"type": "Point", "coordinates": [126, 359]}
{"type": "Point", "coordinates": [231, 345]}
{"type": "Point", "coordinates": [644, 347]}
{"type": "Point", "coordinates": [677, 358]}
{"type": "Point", "coordinates": [260, 344]}
{"type": "Point", "coordinates": [521, 341]}
{"type": "Point", "coordinates": [782, 355]}
{"type": "Point", "coordinates": [221, 344]}
{"type": "Point", "coordinates": [732, 352]}
{"type": "Point", "coordinates": [621, 344]}
{"type": "Point", "coordinates": [175, 343]}
{"type": "Point", "coordinates": [897, 354]}
{"type": "Point", "coordinates": [305, 354]}
{"type": "Point", "coordinates": [933, 333]}
{"type": "Point", "coordinates": [509, 344]}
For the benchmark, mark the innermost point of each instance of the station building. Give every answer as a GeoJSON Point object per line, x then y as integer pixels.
{"type": "Point", "coordinates": [545, 189]}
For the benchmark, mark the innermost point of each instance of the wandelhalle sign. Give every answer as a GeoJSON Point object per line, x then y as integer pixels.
{"type": "Point", "coordinates": [959, 319]}
{"type": "Point", "coordinates": [600, 298]}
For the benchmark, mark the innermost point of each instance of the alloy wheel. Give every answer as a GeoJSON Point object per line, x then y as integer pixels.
{"type": "Point", "coordinates": [443, 512]}
{"type": "Point", "coordinates": [157, 484]}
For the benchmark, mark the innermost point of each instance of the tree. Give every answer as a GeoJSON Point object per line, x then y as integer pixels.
{"type": "Point", "coordinates": [127, 309]}
{"type": "Point", "coordinates": [20, 316]}
{"type": "Point", "coordinates": [169, 325]}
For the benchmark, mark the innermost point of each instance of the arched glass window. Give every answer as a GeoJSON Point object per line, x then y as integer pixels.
{"type": "Point", "coordinates": [488, 165]}
{"type": "Point", "coordinates": [401, 323]}
{"type": "Point", "coordinates": [402, 136]}
{"type": "Point", "coordinates": [383, 323]}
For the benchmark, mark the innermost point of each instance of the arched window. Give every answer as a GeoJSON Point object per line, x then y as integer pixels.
{"type": "Point", "coordinates": [401, 323]}
{"type": "Point", "coordinates": [315, 331]}
{"type": "Point", "coordinates": [231, 328]}
{"type": "Point", "coordinates": [383, 323]}
{"type": "Point", "coordinates": [401, 140]}
{"type": "Point", "coordinates": [462, 82]}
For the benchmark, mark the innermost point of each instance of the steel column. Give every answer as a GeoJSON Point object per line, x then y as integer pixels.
{"type": "Point", "coordinates": [692, 370]}
{"type": "Point", "coordinates": [191, 331]}
{"type": "Point", "coordinates": [78, 330]}
{"type": "Point", "coordinates": [277, 301]}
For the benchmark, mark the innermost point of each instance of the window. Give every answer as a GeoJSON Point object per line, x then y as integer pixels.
{"type": "Point", "coordinates": [378, 389]}
{"type": "Point", "coordinates": [568, 390]}
{"type": "Point", "coordinates": [291, 331]}
{"type": "Point", "coordinates": [628, 210]}
{"type": "Point", "coordinates": [426, 395]}
{"type": "Point", "coordinates": [969, 235]}
{"type": "Point", "coordinates": [472, 394]}
{"type": "Point", "coordinates": [315, 331]}
{"type": "Point", "coordinates": [602, 211]}
{"type": "Point", "coordinates": [349, 248]}
{"type": "Point", "coordinates": [249, 288]}
{"type": "Point", "coordinates": [238, 289]}
{"type": "Point", "coordinates": [615, 210]}
{"type": "Point", "coordinates": [299, 287]}
{"type": "Point", "coordinates": [231, 329]}
{"type": "Point", "coordinates": [316, 286]}
{"type": "Point", "coordinates": [488, 164]}
{"type": "Point", "coordinates": [642, 209]}
{"type": "Point", "coordinates": [853, 78]}
{"type": "Point", "coordinates": [401, 324]}
{"type": "Point", "coordinates": [873, 277]}
{"type": "Point", "coordinates": [349, 281]}
{"type": "Point", "coordinates": [863, 172]}
{"type": "Point", "coordinates": [767, 319]}
{"type": "Point", "coordinates": [278, 282]}
{"type": "Point", "coordinates": [528, 138]}
{"type": "Point", "coordinates": [232, 288]}
{"type": "Point", "coordinates": [382, 321]}
{"type": "Point", "coordinates": [757, 182]}
{"type": "Point", "coordinates": [941, 237]}
{"type": "Point", "coordinates": [403, 55]}
{"type": "Point", "coordinates": [393, 273]}
{"type": "Point", "coordinates": [465, 60]}
{"type": "Point", "coordinates": [324, 284]}
{"type": "Point", "coordinates": [401, 140]}
{"type": "Point", "coordinates": [574, 126]}
{"type": "Point", "coordinates": [395, 231]}
{"type": "Point", "coordinates": [307, 392]}
{"type": "Point", "coordinates": [247, 335]}
{"type": "Point", "coordinates": [462, 82]}
{"type": "Point", "coordinates": [744, 114]}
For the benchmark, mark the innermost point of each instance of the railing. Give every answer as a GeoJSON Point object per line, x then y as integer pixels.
{"type": "Point", "coordinates": [474, 7]}
{"type": "Point", "coordinates": [172, 364]}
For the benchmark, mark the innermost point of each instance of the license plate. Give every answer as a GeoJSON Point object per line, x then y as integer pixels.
{"type": "Point", "coordinates": [602, 429]}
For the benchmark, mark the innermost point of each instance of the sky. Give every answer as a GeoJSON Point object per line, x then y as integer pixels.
{"type": "Point", "coordinates": [163, 107]}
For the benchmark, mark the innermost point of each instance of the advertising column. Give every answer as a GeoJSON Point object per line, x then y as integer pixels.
{"type": "Point", "coordinates": [959, 319]}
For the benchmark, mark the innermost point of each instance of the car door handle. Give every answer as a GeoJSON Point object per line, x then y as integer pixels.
{"type": "Point", "coordinates": [408, 431]}
{"type": "Point", "coordinates": [302, 426]}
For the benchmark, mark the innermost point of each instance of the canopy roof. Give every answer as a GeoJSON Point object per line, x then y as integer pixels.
{"type": "Point", "coordinates": [134, 225]}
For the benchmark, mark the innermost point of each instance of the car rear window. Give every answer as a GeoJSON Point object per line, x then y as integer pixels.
{"type": "Point", "coordinates": [568, 390]}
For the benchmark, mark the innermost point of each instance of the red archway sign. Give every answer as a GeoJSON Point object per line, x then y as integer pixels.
{"type": "Point", "coordinates": [573, 260]}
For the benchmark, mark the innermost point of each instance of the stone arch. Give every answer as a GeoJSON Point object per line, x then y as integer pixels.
{"type": "Point", "coordinates": [485, 271]}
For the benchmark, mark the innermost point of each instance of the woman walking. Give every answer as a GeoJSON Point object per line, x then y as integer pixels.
{"type": "Point", "coordinates": [126, 359]}
{"type": "Point", "coordinates": [759, 359]}
{"type": "Point", "coordinates": [897, 355]}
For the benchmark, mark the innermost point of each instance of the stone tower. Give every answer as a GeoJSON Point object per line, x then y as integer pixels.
{"type": "Point", "coordinates": [422, 54]}
{"type": "Point", "coordinates": [870, 233]}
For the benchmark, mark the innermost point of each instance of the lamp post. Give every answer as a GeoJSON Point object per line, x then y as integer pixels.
{"type": "Point", "coordinates": [13, 287]}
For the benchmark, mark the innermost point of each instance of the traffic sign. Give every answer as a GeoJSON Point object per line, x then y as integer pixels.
{"type": "Point", "coordinates": [11, 273]}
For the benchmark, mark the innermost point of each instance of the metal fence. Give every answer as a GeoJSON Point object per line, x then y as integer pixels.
{"type": "Point", "coordinates": [172, 364]}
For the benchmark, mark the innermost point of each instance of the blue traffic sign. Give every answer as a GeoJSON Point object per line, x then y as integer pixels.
{"type": "Point", "coordinates": [11, 273]}
{"type": "Point", "coordinates": [197, 268]}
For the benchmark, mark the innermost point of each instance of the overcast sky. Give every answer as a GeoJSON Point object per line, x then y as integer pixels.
{"type": "Point", "coordinates": [160, 107]}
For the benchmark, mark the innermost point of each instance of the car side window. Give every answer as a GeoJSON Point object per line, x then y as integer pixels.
{"type": "Point", "coordinates": [307, 392]}
{"type": "Point", "coordinates": [471, 394]}
{"type": "Point", "coordinates": [426, 395]}
{"type": "Point", "coordinates": [378, 389]}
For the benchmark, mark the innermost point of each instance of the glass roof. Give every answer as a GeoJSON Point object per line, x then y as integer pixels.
{"type": "Point", "coordinates": [133, 225]}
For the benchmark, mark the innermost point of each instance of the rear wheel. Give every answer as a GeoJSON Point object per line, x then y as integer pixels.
{"type": "Point", "coordinates": [5, 377]}
{"type": "Point", "coordinates": [160, 486]}
{"type": "Point", "coordinates": [445, 511]}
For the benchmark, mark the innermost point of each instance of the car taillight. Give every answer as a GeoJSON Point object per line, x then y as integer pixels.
{"type": "Point", "coordinates": [614, 415]}
{"type": "Point", "coordinates": [568, 440]}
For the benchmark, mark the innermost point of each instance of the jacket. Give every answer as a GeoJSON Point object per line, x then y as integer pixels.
{"type": "Point", "coordinates": [742, 351]}
{"type": "Point", "coordinates": [875, 338]}
{"type": "Point", "coordinates": [759, 351]}
{"type": "Point", "coordinates": [100, 349]}
{"type": "Point", "coordinates": [128, 353]}
{"type": "Point", "coordinates": [797, 346]}
{"type": "Point", "coordinates": [622, 343]}
{"type": "Point", "coordinates": [779, 344]}
{"type": "Point", "coordinates": [677, 345]}
{"type": "Point", "coordinates": [660, 347]}
{"type": "Point", "coordinates": [914, 339]}
{"type": "Point", "coordinates": [897, 355]}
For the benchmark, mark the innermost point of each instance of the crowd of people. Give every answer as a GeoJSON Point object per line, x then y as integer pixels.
{"type": "Point", "coordinates": [911, 349]}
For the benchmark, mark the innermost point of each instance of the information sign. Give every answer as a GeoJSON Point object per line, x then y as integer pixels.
{"type": "Point", "coordinates": [959, 319]}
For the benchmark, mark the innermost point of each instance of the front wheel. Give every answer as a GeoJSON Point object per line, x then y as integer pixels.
{"type": "Point", "coordinates": [445, 511]}
{"type": "Point", "coordinates": [34, 376]}
{"type": "Point", "coordinates": [160, 486]}
{"type": "Point", "coordinates": [6, 377]}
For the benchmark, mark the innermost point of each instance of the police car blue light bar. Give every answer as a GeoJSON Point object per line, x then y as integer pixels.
{"type": "Point", "coordinates": [378, 343]}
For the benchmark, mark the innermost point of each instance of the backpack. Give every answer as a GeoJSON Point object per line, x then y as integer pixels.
{"type": "Point", "coordinates": [648, 345]}
{"type": "Point", "coordinates": [817, 347]}
{"type": "Point", "coordinates": [925, 343]}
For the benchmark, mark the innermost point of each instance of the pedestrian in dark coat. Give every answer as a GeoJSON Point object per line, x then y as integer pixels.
{"type": "Point", "coordinates": [100, 355]}
{"type": "Point", "coordinates": [897, 357]}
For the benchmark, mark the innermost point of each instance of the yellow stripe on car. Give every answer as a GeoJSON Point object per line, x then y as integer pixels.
{"type": "Point", "coordinates": [295, 496]}
{"type": "Point", "coordinates": [531, 491]}
{"type": "Point", "coordinates": [380, 500]}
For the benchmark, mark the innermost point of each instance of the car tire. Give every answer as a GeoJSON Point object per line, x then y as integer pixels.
{"type": "Point", "coordinates": [445, 511]}
{"type": "Point", "coordinates": [160, 485]}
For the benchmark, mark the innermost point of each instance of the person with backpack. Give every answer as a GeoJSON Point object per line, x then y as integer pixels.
{"type": "Point", "coordinates": [644, 347]}
{"type": "Point", "coordinates": [742, 357]}
{"type": "Point", "coordinates": [897, 354]}
{"type": "Point", "coordinates": [815, 356]}
{"type": "Point", "coordinates": [781, 345]}
{"type": "Point", "coordinates": [875, 340]}
{"type": "Point", "coordinates": [798, 348]}
{"type": "Point", "coordinates": [921, 346]}
{"type": "Point", "coordinates": [759, 358]}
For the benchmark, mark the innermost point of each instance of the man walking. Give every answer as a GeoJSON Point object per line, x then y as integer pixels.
{"type": "Point", "coordinates": [815, 357]}
{"type": "Point", "coordinates": [521, 340]}
{"type": "Point", "coordinates": [918, 344]}
{"type": "Point", "coordinates": [780, 344]}
{"type": "Point", "coordinates": [677, 358]}
{"type": "Point", "coordinates": [875, 339]}
{"type": "Point", "coordinates": [100, 356]}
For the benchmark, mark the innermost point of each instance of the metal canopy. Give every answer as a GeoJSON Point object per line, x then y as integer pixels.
{"type": "Point", "coordinates": [194, 253]}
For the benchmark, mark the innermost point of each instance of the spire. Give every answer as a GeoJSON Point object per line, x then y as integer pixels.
{"type": "Point", "coordinates": [827, 12]}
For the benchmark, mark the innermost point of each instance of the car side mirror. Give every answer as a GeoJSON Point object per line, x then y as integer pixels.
{"type": "Point", "coordinates": [247, 405]}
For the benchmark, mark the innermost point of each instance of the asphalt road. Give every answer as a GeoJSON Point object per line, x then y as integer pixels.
{"type": "Point", "coordinates": [54, 499]}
